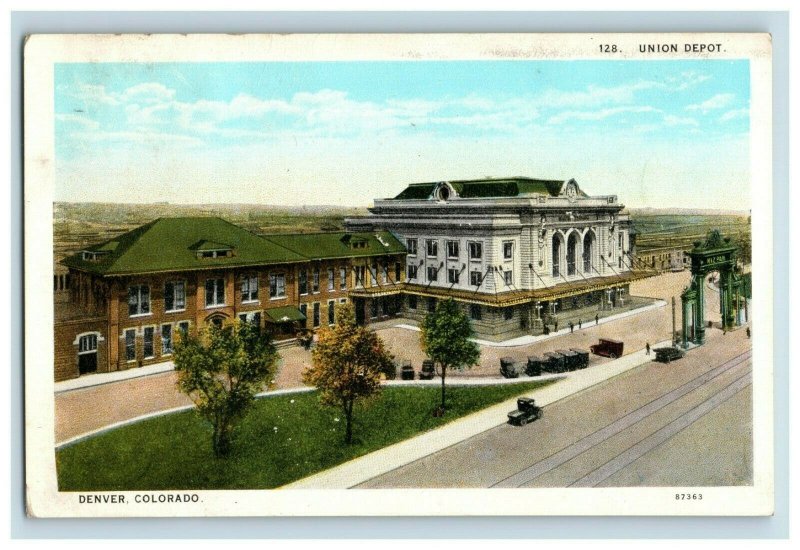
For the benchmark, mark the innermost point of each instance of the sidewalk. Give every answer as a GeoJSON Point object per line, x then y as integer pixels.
{"type": "Point", "coordinates": [531, 339]}
{"type": "Point", "coordinates": [384, 460]}
{"type": "Point", "coordinates": [101, 378]}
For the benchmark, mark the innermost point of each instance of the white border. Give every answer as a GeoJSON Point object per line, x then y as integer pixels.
{"type": "Point", "coordinates": [44, 500]}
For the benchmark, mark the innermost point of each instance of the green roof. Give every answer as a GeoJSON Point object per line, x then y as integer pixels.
{"type": "Point", "coordinates": [172, 244]}
{"type": "Point", "coordinates": [341, 244]}
{"type": "Point", "coordinates": [487, 188]}
{"type": "Point", "coordinates": [177, 244]}
{"type": "Point", "coordinates": [285, 314]}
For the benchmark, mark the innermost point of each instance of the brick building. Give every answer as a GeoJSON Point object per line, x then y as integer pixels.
{"type": "Point", "coordinates": [128, 297]}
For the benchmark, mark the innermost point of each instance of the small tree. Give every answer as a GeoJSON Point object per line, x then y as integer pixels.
{"type": "Point", "coordinates": [346, 364]}
{"type": "Point", "coordinates": [221, 370]}
{"type": "Point", "coordinates": [446, 340]}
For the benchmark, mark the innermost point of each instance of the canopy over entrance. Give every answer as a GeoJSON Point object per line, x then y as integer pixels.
{"type": "Point", "coordinates": [286, 314]}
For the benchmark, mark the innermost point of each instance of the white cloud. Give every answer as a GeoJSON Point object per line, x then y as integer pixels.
{"type": "Point", "coordinates": [719, 101]}
{"type": "Point", "coordinates": [672, 120]}
{"type": "Point", "coordinates": [687, 80]}
{"type": "Point", "coordinates": [599, 115]}
{"type": "Point", "coordinates": [80, 120]}
{"type": "Point", "coordinates": [734, 114]}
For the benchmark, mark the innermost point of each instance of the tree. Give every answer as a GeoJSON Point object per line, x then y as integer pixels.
{"type": "Point", "coordinates": [446, 339]}
{"type": "Point", "coordinates": [346, 365]}
{"type": "Point", "coordinates": [221, 370]}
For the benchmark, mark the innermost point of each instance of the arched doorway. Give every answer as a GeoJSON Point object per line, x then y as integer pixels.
{"type": "Point", "coordinates": [572, 253]}
{"type": "Point", "coordinates": [588, 252]}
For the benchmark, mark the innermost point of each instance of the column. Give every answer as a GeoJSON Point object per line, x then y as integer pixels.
{"type": "Point", "coordinates": [699, 306]}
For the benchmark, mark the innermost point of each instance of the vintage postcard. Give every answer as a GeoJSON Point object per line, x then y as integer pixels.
{"type": "Point", "coordinates": [455, 274]}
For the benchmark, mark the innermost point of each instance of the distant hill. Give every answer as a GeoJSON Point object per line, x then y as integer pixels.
{"type": "Point", "coordinates": [685, 212]}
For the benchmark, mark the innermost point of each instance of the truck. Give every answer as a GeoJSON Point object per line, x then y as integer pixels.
{"type": "Point", "coordinates": [608, 348]}
{"type": "Point", "coordinates": [526, 411]}
{"type": "Point", "coordinates": [508, 367]}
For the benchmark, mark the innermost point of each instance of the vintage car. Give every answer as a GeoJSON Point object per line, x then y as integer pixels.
{"type": "Point", "coordinates": [668, 354]}
{"type": "Point", "coordinates": [571, 359]}
{"type": "Point", "coordinates": [527, 410]}
{"type": "Point", "coordinates": [608, 348]}
{"type": "Point", "coordinates": [407, 372]}
{"type": "Point", "coordinates": [428, 370]}
{"type": "Point", "coordinates": [555, 362]}
{"type": "Point", "coordinates": [583, 357]}
{"type": "Point", "coordinates": [508, 367]}
{"type": "Point", "coordinates": [534, 365]}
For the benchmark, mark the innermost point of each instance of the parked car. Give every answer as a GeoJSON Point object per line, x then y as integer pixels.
{"type": "Point", "coordinates": [534, 366]}
{"type": "Point", "coordinates": [668, 354]}
{"type": "Point", "coordinates": [407, 372]}
{"type": "Point", "coordinates": [571, 359]}
{"type": "Point", "coordinates": [555, 362]}
{"type": "Point", "coordinates": [583, 357]}
{"type": "Point", "coordinates": [428, 370]}
{"type": "Point", "coordinates": [508, 368]}
{"type": "Point", "coordinates": [608, 348]}
{"type": "Point", "coordinates": [527, 410]}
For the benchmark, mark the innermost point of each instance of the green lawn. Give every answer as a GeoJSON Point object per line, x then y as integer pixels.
{"type": "Point", "coordinates": [281, 440]}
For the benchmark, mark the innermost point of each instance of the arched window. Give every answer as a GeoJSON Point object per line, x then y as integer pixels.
{"type": "Point", "coordinates": [556, 255]}
{"type": "Point", "coordinates": [588, 252]}
{"type": "Point", "coordinates": [572, 251]}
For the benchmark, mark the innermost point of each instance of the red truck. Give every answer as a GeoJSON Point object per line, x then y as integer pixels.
{"type": "Point", "coordinates": [608, 348]}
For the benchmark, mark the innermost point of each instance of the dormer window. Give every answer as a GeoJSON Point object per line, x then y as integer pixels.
{"type": "Point", "coordinates": [211, 250]}
{"type": "Point", "coordinates": [358, 244]}
{"type": "Point", "coordinates": [215, 254]}
{"type": "Point", "coordinates": [93, 255]}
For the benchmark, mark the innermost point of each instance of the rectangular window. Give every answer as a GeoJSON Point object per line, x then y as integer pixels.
{"type": "Point", "coordinates": [147, 344]}
{"type": "Point", "coordinates": [508, 276]}
{"type": "Point", "coordinates": [302, 281]}
{"type": "Point", "coordinates": [508, 313]}
{"type": "Point", "coordinates": [475, 278]}
{"type": "Point", "coordinates": [316, 314]}
{"type": "Point", "coordinates": [342, 278]}
{"type": "Point", "coordinates": [361, 273]}
{"type": "Point", "coordinates": [432, 248]}
{"type": "Point", "coordinates": [315, 280]}
{"type": "Point", "coordinates": [475, 251]}
{"type": "Point", "coordinates": [166, 339]}
{"type": "Point", "coordinates": [373, 309]}
{"type": "Point", "coordinates": [412, 271]}
{"type": "Point", "coordinates": [331, 314]}
{"type": "Point", "coordinates": [252, 317]}
{"type": "Point", "coordinates": [431, 305]}
{"type": "Point", "coordinates": [411, 245]}
{"type": "Point", "coordinates": [87, 343]}
{"type": "Point", "coordinates": [475, 312]}
{"type": "Point", "coordinates": [174, 295]}
{"type": "Point", "coordinates": [433, 273]}
{"type": "Point", "coordinates": [621, 240]}
{"type": "Point", "coordinates": [398, 272]}
{"type": "Point", "coordinates": [412, 301]}
{"type": "Point", "coordinates": [215, 292]}
{"type": "Point", "coordinates": [130, 344]}
{"type": "Point", "coordinates": [385, 273]}
{"type": "Point", "coordinates": [331, 280]}
{"type": "Point", "coordinates": [138, 300]}
{"type": "Point", "coordinates": [452, 276]}
{"type": "Point", "coordinates": [277, 285]}
{"type": "Point", "coordinates": [304, 311]}
{"type": "Point", "coordinates": [508, 250]}
{"type": "Point", "coordinates": [373, 273]}
{"type": "Point", "coordinates": [452, 249]}
{"type": "Point", "coordinates": [250, 288]}
{"type": "Point", "coordinates": [183, 327]}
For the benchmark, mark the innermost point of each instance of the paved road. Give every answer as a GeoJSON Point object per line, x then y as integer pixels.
{"type": "Point", "coordinates": [619, 433]}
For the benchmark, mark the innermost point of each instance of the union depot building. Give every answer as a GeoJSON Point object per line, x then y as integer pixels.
{"type": "Point", "coordinates": [520, 255]}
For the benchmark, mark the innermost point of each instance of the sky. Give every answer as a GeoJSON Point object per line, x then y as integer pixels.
{"type": "Point", "coordinates": [655, 133]}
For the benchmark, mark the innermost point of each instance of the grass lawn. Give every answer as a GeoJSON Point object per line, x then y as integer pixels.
{"type": "Point", "coordinates": [281, 440]}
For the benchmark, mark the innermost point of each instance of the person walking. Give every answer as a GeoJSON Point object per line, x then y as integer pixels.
{"type": "Point", "coordinates": [555, 325]}
{"type": "Point", "coordinates": [596, 319]}
{"type": "Point", "coordinates": [571, 327]}
{"type": "Point", "coordinates": [748, 332]}
{"type": "Point", "coordinates": [647, 348]}
{"type": "Point", "coordinates": [579, 324]}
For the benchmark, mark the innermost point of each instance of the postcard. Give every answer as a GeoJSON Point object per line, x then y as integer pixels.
{"type": "Point", "coordinates": [398, 275]}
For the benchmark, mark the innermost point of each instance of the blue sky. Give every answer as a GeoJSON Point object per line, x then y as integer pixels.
{"type": "Point", "coordinates": [656, 133]}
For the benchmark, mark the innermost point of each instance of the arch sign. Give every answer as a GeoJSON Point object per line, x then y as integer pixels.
{"type": "Point", "coordinates": [715, 254]}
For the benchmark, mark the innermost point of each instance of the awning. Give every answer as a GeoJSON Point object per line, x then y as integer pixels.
{"type": "Point", "coordinates": [284, 314]}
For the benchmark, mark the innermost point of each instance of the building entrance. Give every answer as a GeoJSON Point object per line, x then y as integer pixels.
{"type": "Point", "coordinates": [715, 254]}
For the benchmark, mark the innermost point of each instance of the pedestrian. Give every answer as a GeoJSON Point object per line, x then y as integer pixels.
{"type": "Point", "coordinates": [748, 332]}
{"type": "Point", "coordinates": [571, 327]}
{"type": "Point", "coordinates": [579, 324]}
{"type": "Point", "coordinates": [596, 319]}
{"type": "Point", "coordinates": [647, 348]}
{"type": "Point", "coordinates": [555, 325]}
